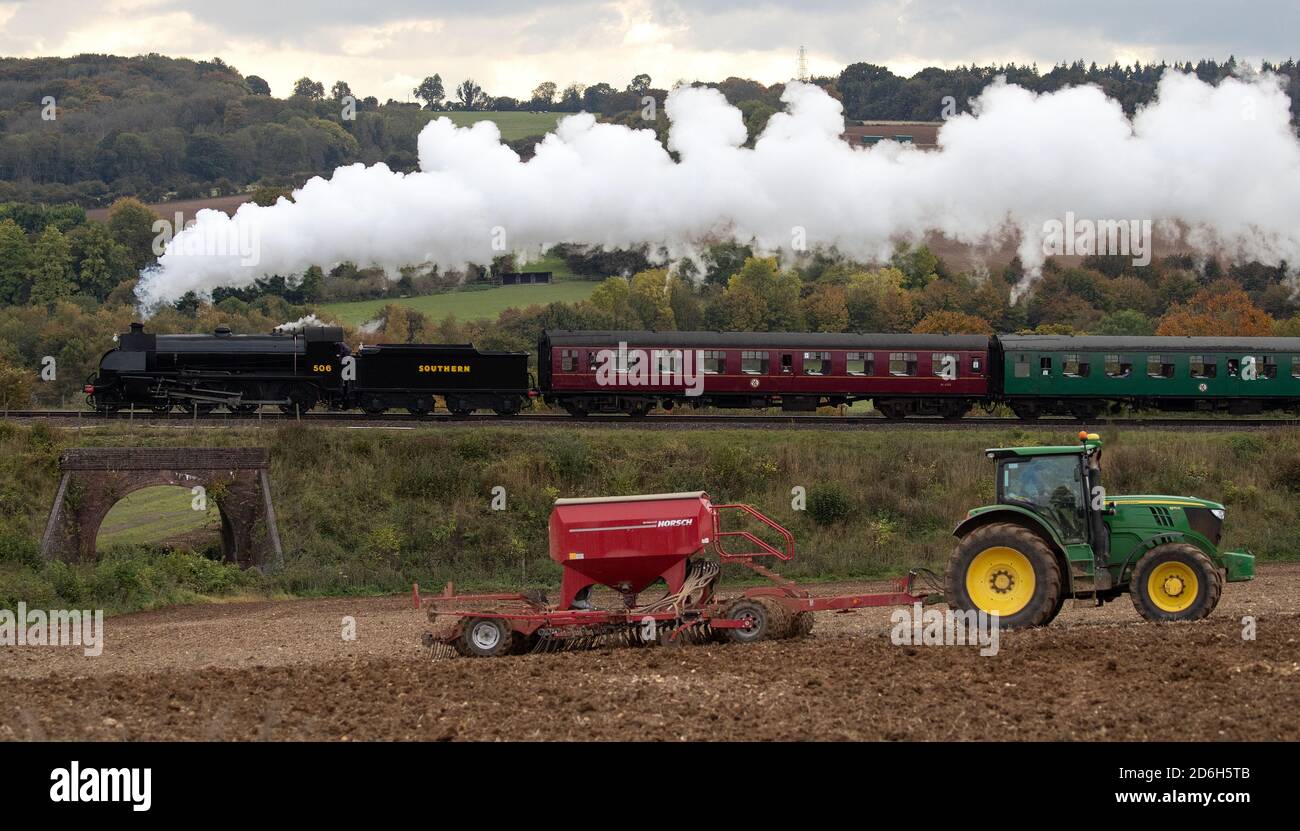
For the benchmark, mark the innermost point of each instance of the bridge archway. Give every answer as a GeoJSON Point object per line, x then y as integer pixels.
{"type": "Point", "coordinates": [95, 479]}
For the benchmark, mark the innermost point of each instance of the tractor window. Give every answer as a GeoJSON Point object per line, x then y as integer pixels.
{"type": "Point", "coordinates": [1022, 366]}
{"type": "Point", "coordinates": [753, 363]}
{"type": "Point", "coordinates": [1118, 366]}
{"type": "Point", "coordinates": [816, 363]}
{"type": "Point", "coordinates": [1051, 486]}
{"type": "Point", "coordinates": [1160, 366]}
{"type": "Point", "coordinates": [1202, 368]}
{"type": "Point", "coordinates": [902, 363]}
{"type": "Point", "coordinates": [1075, 368]}
{"type": "Point", "coordinates": [859, 363]}
{"type": "Point", "coordinates": [715, 362]}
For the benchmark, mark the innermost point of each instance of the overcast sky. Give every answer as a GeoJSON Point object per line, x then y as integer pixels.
{"type": "Point", "coordinates": [382, 47]}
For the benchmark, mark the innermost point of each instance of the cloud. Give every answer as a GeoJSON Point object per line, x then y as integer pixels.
{"type": "Point", "coordinates": [511, 45]}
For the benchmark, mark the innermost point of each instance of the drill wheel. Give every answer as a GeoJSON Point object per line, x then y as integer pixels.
{"type": "Point", "coordinates": [487, 637]}
{"type": "Point", "coordinates": [768, 619]}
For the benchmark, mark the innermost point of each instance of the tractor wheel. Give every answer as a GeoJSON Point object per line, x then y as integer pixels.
{"type": "Point", "coordinates": [768, 619]}
{"type": "Point", "coordinates": [486, 637]}
{"type": "Point", "coordinates": [801, 625]}
{"type": "Point", "coordinates": [1008, 569]}
{"type": "Point", "coordinates": [1175, 581]}
{"type": "Point", "coordinates": [1056, 610]}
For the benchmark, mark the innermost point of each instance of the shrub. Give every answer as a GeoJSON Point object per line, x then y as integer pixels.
{"type": "Point", "coordinates": [829, 503]}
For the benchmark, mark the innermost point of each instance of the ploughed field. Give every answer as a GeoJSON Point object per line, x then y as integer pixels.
{"type": "Point", "coordinates": [281, 670]}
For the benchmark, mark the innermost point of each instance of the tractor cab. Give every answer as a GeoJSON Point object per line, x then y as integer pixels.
{"type": "Point", "coordinates": [1057, 483]}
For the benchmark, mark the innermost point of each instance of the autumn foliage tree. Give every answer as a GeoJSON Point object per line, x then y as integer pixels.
{"type": "Point", "coordinates": [952, 323]}
{"type": "Point", "coordinates": [1217, 314]}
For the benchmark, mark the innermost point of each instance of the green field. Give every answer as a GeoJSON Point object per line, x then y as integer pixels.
{"type": "Point", "coordinates": [513, 125]}
{"type": "Point", "coordinates": [478, 304]}
{"type": "Point", "coordinates": [155, 515]}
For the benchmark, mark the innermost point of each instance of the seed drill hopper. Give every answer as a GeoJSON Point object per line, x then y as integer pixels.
{"type": "Point", "coordinates": [628, 544]}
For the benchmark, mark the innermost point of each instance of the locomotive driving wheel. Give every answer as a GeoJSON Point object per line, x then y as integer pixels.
{"type": "Point", "coordinates": [301, 399]}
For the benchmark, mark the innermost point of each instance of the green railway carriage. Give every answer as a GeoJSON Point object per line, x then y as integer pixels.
{"type": "Point", "coordinates": [1085, 376]}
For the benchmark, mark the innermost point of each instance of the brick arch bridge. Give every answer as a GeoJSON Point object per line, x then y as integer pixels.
{"type": "Point", "coordinates": [95, 479]}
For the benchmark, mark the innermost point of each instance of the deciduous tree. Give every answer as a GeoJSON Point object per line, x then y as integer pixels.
{"type": "Point", "coordinates": [1217, 314]}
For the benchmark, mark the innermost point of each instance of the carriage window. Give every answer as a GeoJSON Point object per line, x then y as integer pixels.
{"type": "Point", "coordinates": [1022, 366]}
{"type": "Point", "coordinates": [753, 363]}
{"type": "Point", "coordinates": [816, 363]}
{"type": "Point", "coordinates": [1118, 366]}
{"type": "Point", "coordinates": [1045, 365]}
{"type": "Point", "coordinates": [1159, 366]}
{"type": "Point", "coordinates": [1073, 367]}
{"type": "Point", "coordinates": [568, 360]}
{"type": "Point", "coordinates": [1269, 367]}
{"type": "Point", "coordinates": [936, 363]}
{"type": "Point", "coordinates": [859, 363]}
{"type": "Point", "coordinates": [715, 362]}
{"type": "Point", "coordinates": [902, 363]}
{"type": "Point", "coordinates": [1295, 366]}
{"type": "Point", "coordinates": [592, 360]}
{"type": "Point", "coordinates": [669, 360]}
{"type": "Point", "coordinates": [1202, 368]}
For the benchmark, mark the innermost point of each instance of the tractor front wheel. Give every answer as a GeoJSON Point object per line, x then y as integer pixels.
{"type": "Point", "coordinates": [1007, 569]}
{"type": "Point", "coordinates": [1175, 581]}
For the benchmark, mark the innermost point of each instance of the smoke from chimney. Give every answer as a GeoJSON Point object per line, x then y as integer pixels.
{"type": "Point", "coordinates": [1220, 163]}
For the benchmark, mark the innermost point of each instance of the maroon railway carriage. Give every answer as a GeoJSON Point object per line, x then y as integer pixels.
{"type": "Point", "coordinates": [632, 372]}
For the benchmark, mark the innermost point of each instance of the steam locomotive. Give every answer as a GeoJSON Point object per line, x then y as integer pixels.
{"type": "Point", "coordinates": [634, 372]}
{"type": "Point", "coordinates": [300, 371]}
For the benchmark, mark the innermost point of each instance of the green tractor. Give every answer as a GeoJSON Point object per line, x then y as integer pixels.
{"type": "Point", "coordinates": [1055, 534]}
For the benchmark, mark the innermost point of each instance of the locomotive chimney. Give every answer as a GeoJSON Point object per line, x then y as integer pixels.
{"type": "Point", "coordinates": [137, 328]}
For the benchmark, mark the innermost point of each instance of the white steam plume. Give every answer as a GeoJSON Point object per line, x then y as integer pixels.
{"type": "Point", "coordinates": [1220, 161]}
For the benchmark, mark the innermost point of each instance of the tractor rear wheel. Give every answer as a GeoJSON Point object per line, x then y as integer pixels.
{"type": "Point", "coordinates": [768, 619]}
{"type": "Point", "coordinates": [1175, 581]}
{"type": "Point", "coordinates": [486, 637]}
{"type": "Point", "coordinates": [1005, 568]}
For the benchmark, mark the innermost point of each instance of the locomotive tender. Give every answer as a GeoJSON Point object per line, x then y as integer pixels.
{"type": "Point", "coordinates": [633, 372]}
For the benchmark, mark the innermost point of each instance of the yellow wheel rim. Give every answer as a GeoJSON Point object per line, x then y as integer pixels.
{"type": "Point", "coordinates": [1173, 586]}
{"type": "Point", "coordinates": [1000, 579]}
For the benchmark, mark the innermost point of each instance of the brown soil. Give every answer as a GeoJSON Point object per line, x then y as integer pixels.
{"type": "Point", "coordinates": [281, 670]}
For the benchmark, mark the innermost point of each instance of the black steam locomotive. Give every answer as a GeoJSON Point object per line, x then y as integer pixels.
{"type": "Point", "coordinates": [300, 371]}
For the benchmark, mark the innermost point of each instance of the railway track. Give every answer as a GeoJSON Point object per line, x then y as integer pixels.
{"type": "Point", "coordinates": [652, 421]}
